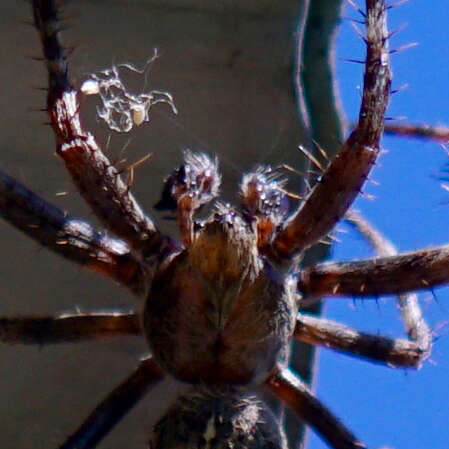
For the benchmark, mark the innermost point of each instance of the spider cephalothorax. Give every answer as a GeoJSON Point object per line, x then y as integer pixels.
{"type": "Point", "coordinates": [220, 313]}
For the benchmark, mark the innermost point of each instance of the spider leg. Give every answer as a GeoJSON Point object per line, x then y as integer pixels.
{"type": "Point", "coordinates": [67, 327]}
{"type": "Point", "coordinates": [411, 314]}
{"type": "Point", "coordinates": [395, 352]}
{"type": "Point", "coordinates": [415, 270]}
{"type": "Point", "coordinates": [115, 406]}
{"type": "Point", "coordinates": [419, 131]}
{"type": "Point", "coordinates": [97, 180]}
{"type": "Point", "coordinates": [296, 395]}
{"type": "Point", "coordinates": [344, 177]}
{"type": "Point", "coordinates": [69, 237]}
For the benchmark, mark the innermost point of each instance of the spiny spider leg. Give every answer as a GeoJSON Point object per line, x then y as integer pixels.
{"type": "Point", "coordinates": [68, 327]}
{"type": "Point", "coordinates": [71, 238]}
{"type": "Point", "coordinates": [415, 270]}
{"type": "Point", "coordinates": [334, 335]}
{"type": "Point", "coordinates": [96, 178]}
{"type": "Point", "coordinates": [343, 179]}
{"type": "Point", "coordinates": [115, 406]}
{"type": "Point", "coordinates": [411, 314]}
{"type": "Point", "coordinates": [394, 352]}
{"type": "Point", "coordinates": [297, 396]}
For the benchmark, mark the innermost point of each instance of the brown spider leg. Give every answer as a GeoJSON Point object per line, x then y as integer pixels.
{"type": "Point", "coordinates": [71, 238]}
{"type": "Point", "coordinates": [415, 270]}
{"type": "Point", "coordinates": [394, 352]}
{"type": "Point", "coordinates": [344, 177]}
{"type": "Point", "coordinates": [330, 334]}
{"type": "Point", "coordinates": [420, 131]}
{"type": "Point", "coordinates": [411, 314]}
{"type": "Point", "coordinates": [68, 327]}
{"type": "Point", "coordinates": [115, 406]}
{"type": "Point", "coordinates": [96, 178]}
{"type": "Point", "coordinates": [296, 395]}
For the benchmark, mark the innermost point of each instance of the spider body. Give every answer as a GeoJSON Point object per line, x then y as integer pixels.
{"type": "Point", "coordinates": [219, 419]}
{"type": "Point", "coordinates": [221, 306]}
{"type": "Point", "coordinates": [220, 313]}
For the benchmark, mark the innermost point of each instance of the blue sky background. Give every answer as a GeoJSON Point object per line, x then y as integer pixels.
{"type": "Point", "coordinates": [386, 407]}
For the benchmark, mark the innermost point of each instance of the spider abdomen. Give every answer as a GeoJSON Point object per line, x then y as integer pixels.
{"type": "Point", "coordinates": [218, 419]}
{"type": "Point", "coordinates": [219, 313]}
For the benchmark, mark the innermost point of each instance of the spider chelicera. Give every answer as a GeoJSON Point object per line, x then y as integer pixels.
{"type": "Point", "coordinates": [222, 305]}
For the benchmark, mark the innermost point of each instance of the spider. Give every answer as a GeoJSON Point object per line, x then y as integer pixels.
{"type": "Point", "coordinates": [272, 242]}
